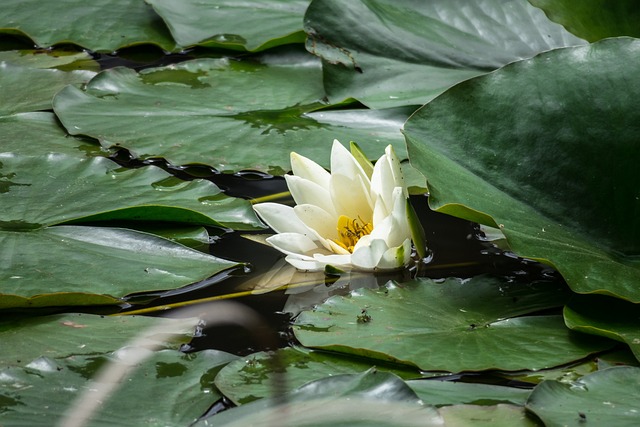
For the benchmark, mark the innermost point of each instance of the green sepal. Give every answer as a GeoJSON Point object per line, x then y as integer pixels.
{"type": "Point", "coordinates": [417, 231]}
{"type": "Point", "coordinates": [361, 158]}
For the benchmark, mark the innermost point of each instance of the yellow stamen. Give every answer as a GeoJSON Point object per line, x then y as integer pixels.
{"type": "Point", "coordinates": [350, 231]}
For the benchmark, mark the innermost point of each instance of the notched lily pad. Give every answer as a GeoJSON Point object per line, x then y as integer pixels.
{"type": "Point", "coordinates": [449, 326]}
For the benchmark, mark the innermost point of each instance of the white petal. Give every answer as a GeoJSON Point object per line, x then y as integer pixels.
{"type": "Point", "coordinates": [304, 264]}
{"type": "Point", "coordinates": [352, 197]}
{"type": "Point", "coordinates": [336, 248]}
{"type": "Point", "coordinates": [318, 220]}
{"type": "Point", "coordinates": [367, 257]}
{"type": "Point", "coordinates": [343, 163]}
{"type": "Point", "coordinates": [396, 257]}
{"type": "Point", "coordinates": [292, 243]}
{"type": "Point", "coordinates": [386, 176]}
{"type": "Point", "coordinates": [304, 191]}
{"type": "Point", "coordinates": [281, 218]}
{"type": "Point", "coordinates": [340, 261]}
{"type": "Point", "coordinates": [310, 170]}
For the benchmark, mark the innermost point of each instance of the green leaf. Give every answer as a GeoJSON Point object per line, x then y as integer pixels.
{"type": "Point", "coordinates": [233, 25]}
{"type": "Point", "coordinates": [80, 189]}
{"type": "Point", "coordinates": [78, 265]}
{"type": "Point", "coordinates": [594, 19]}
{"type": "Point", "coordinates": [606, 317]}
{"type": "Point", "coordinates": [100, 27]}
{"type": "Point", "coordinates": [489, 416]}
{"type": "Point", "coordinates": [608, 397]}
{"type": "Point", "coordinates": [201, 111]}
{"type": "Point", "coordinates": [48, 362]}
{"type": "Point", "coordinates": [31, 89]}
{"type": "Point", "coordinates": [66, 336]}
{"type": "Point", "coordinates": [55, 59]}
{"type": "Point", "coordinates": [39, 133]}
{"type": "Point", "coordinates": [372, 398]}
{"type": "Point", "coordinates": [521, 149]}
{"type": "Point", "coordinates": [261, 374]}
{"type": "Point", "coordinates": [460, 320]}
{"type": "Point", "coordinates": [387, 53]}
{"type": "Point", "coordinates": [440, 393]}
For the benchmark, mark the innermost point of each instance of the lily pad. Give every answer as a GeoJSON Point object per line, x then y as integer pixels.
{"type": "Point", "coordinates": [81, 265]}
{"type": "Point", "coordinates": [31, 89]}
{"type": "Point", "coordinates": [170, 389]}
{"type": "Point", "coordinates": [594, 19]}
{"type": "Point", "coordinates": [200, 111]}
{"type": "Point", "coordinates": [66, 336]}
{"type": "Point", "coordinates": [607, 397]}
{"type": "Point", "coordinates": [103, 27]}
{"type": "Point", "coordinates": [48, 362]}
{"type": "Point", "coordinates": [451, 326]}
{"type": "Point", "coordinates": [608, 317]}
{"type": "Point", "coordinates": [490, 416]}
{"type": "Point", "coordinates": [440, 393]}
{"type": "Point", "coordinates": [38, 191]}
{"type": "Point", "coordinates": [371, 398]}
{"type": "Point", "coordinates": [521, 149]}
{"type": "Point", "coordinates": [264, 374]}
{"type": "Point", "coordinates": [233, 25]}
{"type": "Point", "coordinates": [388, 53]}
{"type": "Point", "coordinates": [58, 59]}
{"type": "Point", "coordinates": [38, 133]}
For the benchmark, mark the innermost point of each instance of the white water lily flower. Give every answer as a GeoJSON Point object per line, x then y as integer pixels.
{"type": "Point", "coordinates": [352, 218]}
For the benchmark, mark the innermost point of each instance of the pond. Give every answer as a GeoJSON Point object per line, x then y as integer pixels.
{"type": "Point", "coordinates": [473, 237]}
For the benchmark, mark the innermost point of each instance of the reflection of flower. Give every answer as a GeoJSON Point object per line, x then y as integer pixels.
{"type": "Point", "coordinates": [352, 218]}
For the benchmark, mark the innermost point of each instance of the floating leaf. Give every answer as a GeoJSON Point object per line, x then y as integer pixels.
{"type": "Point", "coordinates": [201, 111]}
{"type": "Point", "coordinates": [608, 397]}
{"type": "Point", "coordinates": [389, 53]}
{"type": "Point", "coordinates": [44, 190]}
{"type": "Point", "coordinates": [65, 336]}
{"type": "Point", "coordinates": [265, 374]}
{"type": "Point", "coordinates": [38, 133]}
{"type": "Point", "coordinates": [521, 149]}
{"type": "Point", "coordinates": [79, 265]}
{"type": "Point", "coordinates": [31, 89]}
{"type": "Point", "coordinates": [439, 393]}
{"type": "Point", "coordinates": [372, 398]}
{"type": "Point", "coordinates": [451, 326]}
{"type": "Point", "coordinates": [594, 19]}
{"type": "Point", "coordinates": [606, 317]}
{"type": "Point", "coordinates": [48, 362]}
{"type": "Point", "coordinates": [489, 416]}
{"type": "Point", "coordinates": [232, 24]}
{"type": "Point", "coordinates": [103, 27]}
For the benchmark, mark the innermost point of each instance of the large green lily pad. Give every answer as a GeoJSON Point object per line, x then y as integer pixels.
{"type": "Point", "coordinates": [547, 150]}
{"type": "Point", "coordinates": [231, 24]}
{"type": "Point", "coordinates": [604, 316]}
{"type": "Point", "coordinates": [75, 189]}
{"type": "Point", "coordinates": [80, 265]}
{"type": "Point", "coordinates": [594, 19]}
{"type": "Point", "coordinates": [400, 52]}
{"type": "Point", "coordinates": [451, 326]}
{"type": "Point", "coordinates": [604, 398]}
{"type": "Point", "coordinates": [267, 374]}
{"type": "Point", "coordinates": [169, 389]}
{"type": "Point", "coordinates": [48, 362]}
{"type": "Point", "coordinates": [441, 393]}
{"type": "Point", "coordinates": [38, 133]}
{"type": "Point", "coordinates": [370, 398]}
{"type": "Point", "coordinates": [32, 89]}
{"type": "Point", "coordinates": [65, 336]}
{"type": "Point", "coordinates": [201, 111]}
{"type": "Point", "coordinates": [101, 27]}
